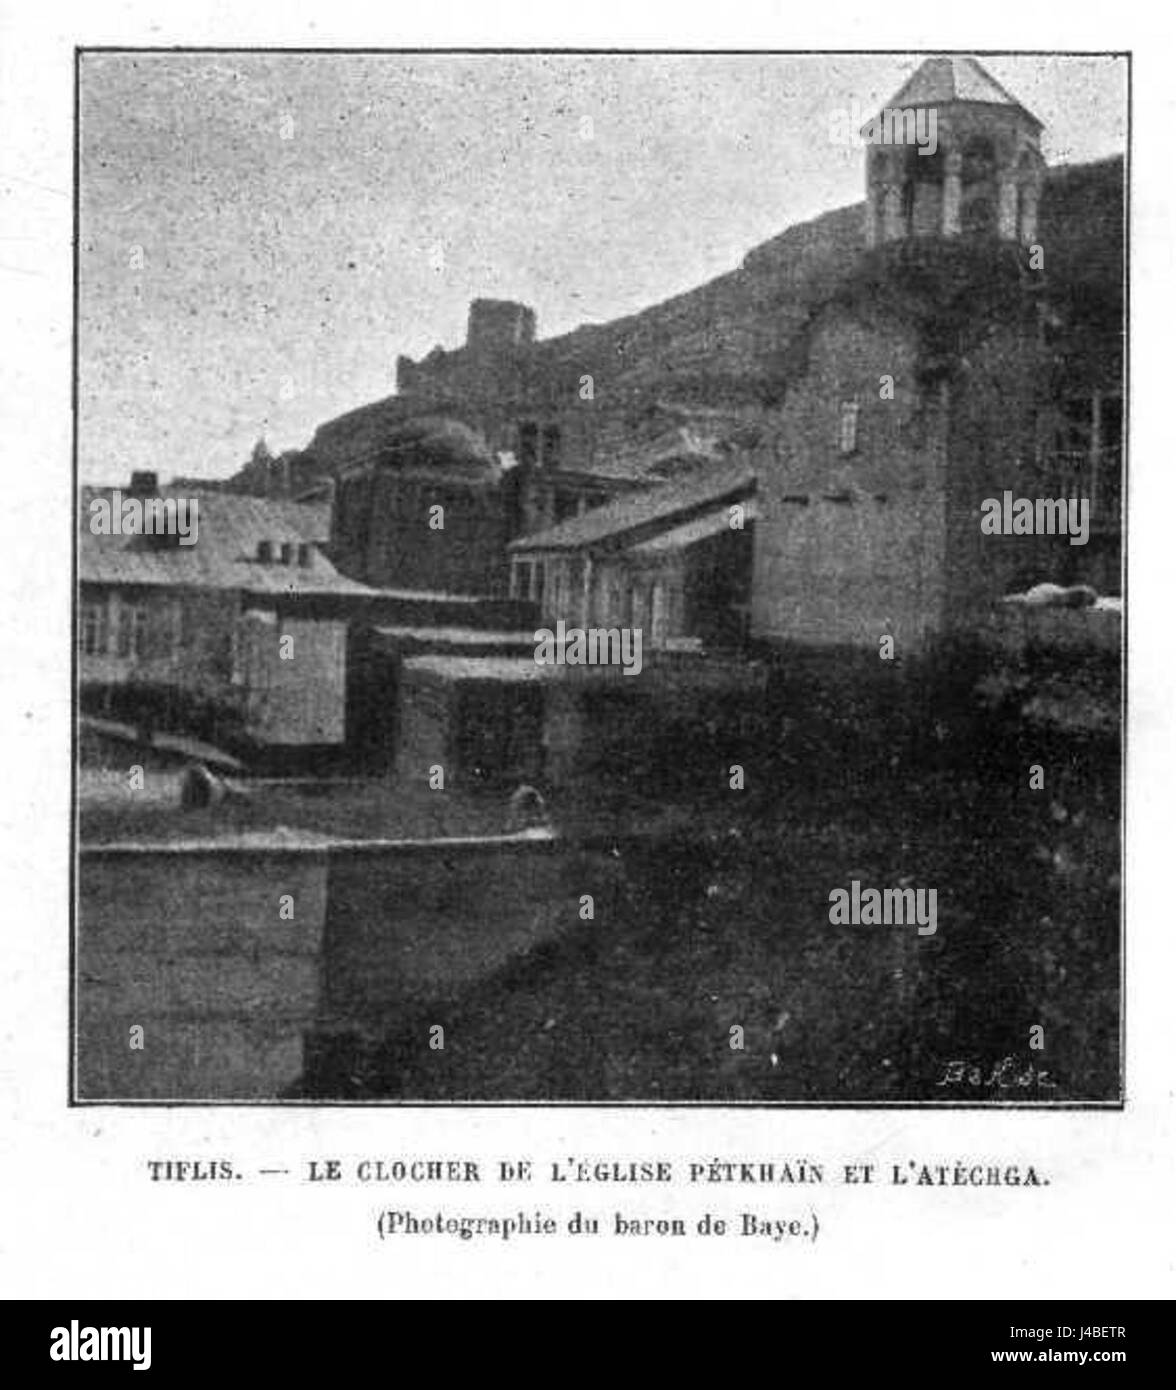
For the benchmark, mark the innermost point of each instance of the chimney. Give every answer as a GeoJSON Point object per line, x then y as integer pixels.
{"type": "Point", "coordinates": [144, 484]}
{"type": "Point", "coordinates": [265, 552]}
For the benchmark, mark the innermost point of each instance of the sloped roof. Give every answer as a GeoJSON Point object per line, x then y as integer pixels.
{"type": "Point", "coordinates": [229, 528]}
{"type": "Point", "coordinates": [939, 81]}
{"type": "Point", "coordinates": [714, 522]}
{"type": "Point", "coordinates": [643, 511]}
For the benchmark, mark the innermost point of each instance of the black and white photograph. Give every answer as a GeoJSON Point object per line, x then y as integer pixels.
{"type": "Point", "coordinates": [589, 693]}
{"type": "Point", "coordinates": [599, 577]}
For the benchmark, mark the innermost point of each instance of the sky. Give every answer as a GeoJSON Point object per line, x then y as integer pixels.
{"type": "Point", "coordinates": [261, 235]}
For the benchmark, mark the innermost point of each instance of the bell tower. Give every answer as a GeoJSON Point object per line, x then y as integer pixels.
{"type": "Point", "coordinates": [952, 155]}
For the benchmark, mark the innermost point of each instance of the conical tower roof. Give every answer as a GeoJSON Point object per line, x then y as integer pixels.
{"type": "Point", "coordinates": [939, 81]}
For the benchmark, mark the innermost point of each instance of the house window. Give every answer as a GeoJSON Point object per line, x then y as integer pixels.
{"type": "Point", "coordinates": [847, 434]}
{"type": "Point", "coordinates": [558, 588]}
{"type": "Point", "coordinates": [551, 446]}
{"type": "Point", "coordinates": [908, 207]}
{"type": "Point", "coordinates": [132, 631]}
{"type": "Point", "coordinates": [528, 444]}
{"type": "Point", "coordinates": [94, 629]}
{"type": "Point", "coordinates": [979, 161]}
{"type": "Point", "coordinates": [240, 654]}
{"type": "Point", "coordinates": [526, 579]}
{"type": "Point", "coordinates": [1109, 461]}
{"type": "Point", "coordinates": [1077, 420]}
{"type": "Point", "coordinates": [980, 217]}
{"type": "Point", "coordinates": [659, 615]}
{"type": "Point", "coordinates": [1112, 422]}
{"type": "Point", "coordinates": [612, 598]}
{"type": "Point", "coordinates": [638, 607]}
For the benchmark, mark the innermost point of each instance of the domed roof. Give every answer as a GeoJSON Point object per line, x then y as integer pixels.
{"type": "Point", "coordinates": [434, 445]}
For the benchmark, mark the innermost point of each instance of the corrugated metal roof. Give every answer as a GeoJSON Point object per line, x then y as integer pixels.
{"type": "Point", "coordinates": [638, 510]}
{"type": "Point", "coordinates": [224, 556]}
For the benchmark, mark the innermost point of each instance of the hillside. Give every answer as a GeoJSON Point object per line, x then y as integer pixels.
{"type": "Point", "coordinates": [725, 345]}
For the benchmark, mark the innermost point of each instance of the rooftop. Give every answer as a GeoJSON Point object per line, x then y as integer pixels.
{"type": "Point", "coordinates": [371, 437]}
{"type": "Point", "coordinates": [939, 81]}
{"type": "Point", "coordinates": [225, 553]}
{"type": "Point", "coordinates": [497, 670]}
{"type": "Point", "coordinates": [451, 636]}
{"type": "Point", "coordinates": [645, 511]}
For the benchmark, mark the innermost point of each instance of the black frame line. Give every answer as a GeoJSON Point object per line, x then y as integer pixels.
{"type": "Point", "coordinates": [1064, 1107]}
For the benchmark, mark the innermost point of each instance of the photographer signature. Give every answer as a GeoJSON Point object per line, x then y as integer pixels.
{"type": "Point", "coordinates": [1007, 1074]}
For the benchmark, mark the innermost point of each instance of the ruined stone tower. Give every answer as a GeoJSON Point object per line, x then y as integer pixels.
{"type": "Point", "coordinates": [952, 154]}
